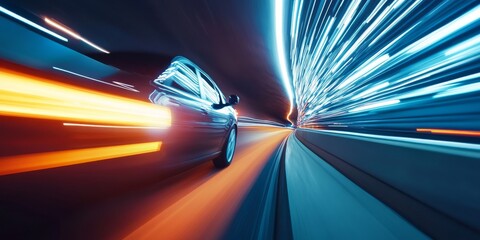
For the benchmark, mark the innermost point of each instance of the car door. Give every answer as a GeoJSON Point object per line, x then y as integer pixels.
{"type": "Point", "coordinates": [216, 120]}
{"type": "Point", "coordinates": [178, 88]}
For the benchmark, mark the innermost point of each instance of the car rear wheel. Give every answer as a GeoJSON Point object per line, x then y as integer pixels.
{"type": "Point", "coordinates": [228, 150]}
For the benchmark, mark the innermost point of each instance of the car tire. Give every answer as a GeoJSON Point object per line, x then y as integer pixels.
{"type": "Point", "coordinates": [228, 150]}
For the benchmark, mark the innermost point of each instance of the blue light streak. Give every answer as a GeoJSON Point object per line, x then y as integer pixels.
{"type": "Point", "coordinates": [281, 54]}
{"type": "Point", "coordinates": [375, 105]}
{"type": "Point", "coordinates": [32, 24]}
{"type": "Point", "coordinates": [373, 63]}
{"type": "Point", "coordinates": [371, 90]}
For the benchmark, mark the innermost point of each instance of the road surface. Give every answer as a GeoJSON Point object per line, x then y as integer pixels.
{"type": "Point", "coordinates": [282, 184]}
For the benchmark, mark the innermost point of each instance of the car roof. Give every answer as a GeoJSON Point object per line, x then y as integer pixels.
{"type": "Point", "coordinates": [185, 60]}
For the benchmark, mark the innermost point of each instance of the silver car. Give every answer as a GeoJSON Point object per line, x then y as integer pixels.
{"type": "Point", "coordinates": [204, 124]}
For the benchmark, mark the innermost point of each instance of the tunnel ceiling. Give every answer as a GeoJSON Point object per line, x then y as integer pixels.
{"type": "Point", "coordinates": [231, 40]}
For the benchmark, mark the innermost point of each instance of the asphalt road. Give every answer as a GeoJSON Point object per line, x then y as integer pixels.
{"type": "Point", "coordinates": [282, 184]}
{"type": "Point", "coordinates": [94, 200]}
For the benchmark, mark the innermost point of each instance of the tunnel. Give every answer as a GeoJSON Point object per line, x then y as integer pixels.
{"type": "Point", "coordinates": [240, 119]}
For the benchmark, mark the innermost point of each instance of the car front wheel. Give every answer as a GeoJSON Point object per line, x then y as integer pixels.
{"type": "Point", "coordinates": [228, 150]}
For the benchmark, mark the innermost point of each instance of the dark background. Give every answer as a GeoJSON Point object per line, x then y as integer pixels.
{"type": "Point", "coordinates": [233, 41]}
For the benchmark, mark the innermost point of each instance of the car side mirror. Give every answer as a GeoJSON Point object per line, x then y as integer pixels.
{"type": "Point", "coordinates": [233, 100]}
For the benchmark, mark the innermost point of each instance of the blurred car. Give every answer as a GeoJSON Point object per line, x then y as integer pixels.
{"type": "Point", "coordinates": [204, 124]}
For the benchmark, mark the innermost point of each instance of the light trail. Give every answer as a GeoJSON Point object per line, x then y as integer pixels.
{"type": "Point", "coordinates": [281, 54]}
{"type": "Point", "coordinates": [123, 84]}
{"type": "Point", "coordinates": [205, 211]}
{"type": "Point", "coordinates": [449, 131]}
{"type": "Point", "coordinates": [32, 24]}
{"type": "Point", "coordinates": [46, 160]}
{"type": "Point", "coordinates": [107, 126]}
{"type": "Point", "coordinates": [117, 84]}
{"type": "Point", "coordinates": [371, 90]}
{"type": "Point", "coordinates": [348, 57]}
{"type": "Point", "coordinates": [375, 105]}
{"type": "Point", "coordinates": [75, 35]}
{"type": "Point", "coordinates": [23, 95]}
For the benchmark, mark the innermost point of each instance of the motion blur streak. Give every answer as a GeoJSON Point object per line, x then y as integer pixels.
{"type": "Point", "coordinates": [118, 85]}
{"type": "Point", "coordinates": [39, 161]}
{"type": "Point", "coordinates": [73, 34]}
{"type": "Point", "coordinates": [24, 20]}
{"type": "Point", "coordinates": [350, 54]}
{"type": "Point", "coordinates": [453, 132]}
{"type": "Point", "coordinates": [375, 105]}
{"type": "Point", "coordinates": [206, 211]}
{"type": "Point", "coordinates": [104, 126]}
{"type": "Point", "coordinates": [24, 95]}
{"type": "Point", "coordinates": [282, 57]}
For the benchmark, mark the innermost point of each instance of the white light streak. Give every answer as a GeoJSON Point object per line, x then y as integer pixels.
{"type": "Point", "coordinates": [364, 70]}
{"type": "Point", "coordinates": [457, 24]}
{"type": "Point", "coordinates": [469, 88]}
{"type": "Point", "coordinates": [375, 11]}
{"type": "Point", "coordinates": [94, 79]}
{"type": "Point", "coordinates": [282, 57]}
{"type": "Point", "coordinates": [375, 105]}
{"type": "Point", "coordinates": [464, 46]}
{"type": "Point", "coordinates": [73, 34]}
{"type": "Point", "coordinates": [123, 84]}
{"type": "Point", "coordinates": [346, 61]}
{"type": "Point", "coordinates": [436, 88]}
{"type": "Point", "coordinates": [32, 24]}
{"type": "Point", "coordinates": [371, 90]}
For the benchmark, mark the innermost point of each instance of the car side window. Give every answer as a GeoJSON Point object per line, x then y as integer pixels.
{"type": "Point", "coordinates": [209, 92]}
{"type": "Point", "coordinates": [191, 68]}
{"type": "Point", "coordinates": [181, 78]}
{"type": "Point", "coordinates": [222, 97]}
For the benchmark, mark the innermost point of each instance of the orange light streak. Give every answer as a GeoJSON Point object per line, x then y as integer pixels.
{"type": "Point", "coordinates": [451, 132]}
{"type": "Point", "coordinates": [63, 28]}
{"type": "Point", "coordinates": [67, 30]}
{"type": "Point", "coordinates": [23, 95]}
{"type": "Point", "coordinates": [290, 113]}
{"type": "Point", "coordinates": [105, 126]}
{"type": "Point", "coordinates": [206, 211]}
{"type": "Point", "coordinates": [47, 160]}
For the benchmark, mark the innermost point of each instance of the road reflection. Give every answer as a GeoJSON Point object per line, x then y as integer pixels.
{"type": "Point", "coordinates": [103, 200]}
